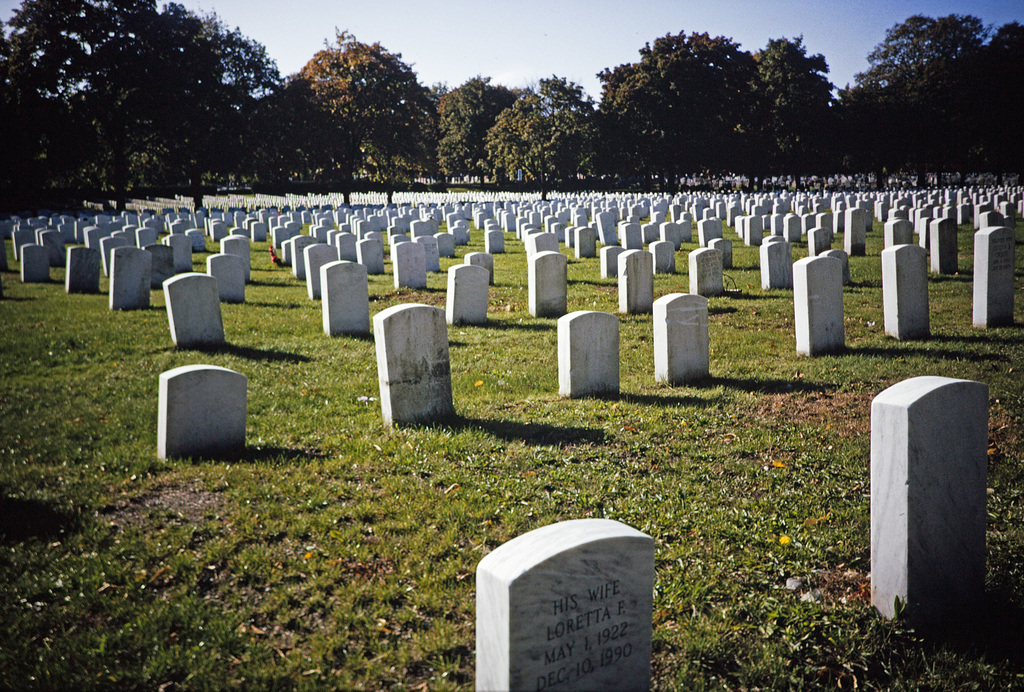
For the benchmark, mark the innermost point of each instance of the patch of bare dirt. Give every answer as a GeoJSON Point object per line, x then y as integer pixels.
{"type": "Point", "coordinates": [177, 504]}
{"type": "Point", "coordinates": [844, 413]}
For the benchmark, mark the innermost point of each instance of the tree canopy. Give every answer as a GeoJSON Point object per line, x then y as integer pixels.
{"type": "Point", "coordinates": [466, 114]}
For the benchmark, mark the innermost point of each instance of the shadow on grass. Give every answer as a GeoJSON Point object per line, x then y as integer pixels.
{"type": "Point", "coordinates": [248, 352]}
{"type": "Point", "coordinates": [278, 455]}
{"type": "Point", "coordinates": [938, 353]}
{"type": "Point", "coordinates": [515, 431]}
{"type": "Point", "coordinates": [757, 385]}
{"type": "Point", "coordinates": [960, 278]}
{"type": "Point", "coordinates": [527, 326]}
{"type": "Point", "coordinates": [662, 399]}
{"type": "Point", "coordinates": [23, 519]}
{"type": "Point", "coordinates": [283, 306]}
{"type": "Point", "coordinates": [992, 631]}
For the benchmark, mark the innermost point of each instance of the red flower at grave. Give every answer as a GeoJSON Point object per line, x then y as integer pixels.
{"type": "Point", "coordinates": [273, 256]}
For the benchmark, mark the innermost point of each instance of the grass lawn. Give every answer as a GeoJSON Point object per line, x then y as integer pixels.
{"type": "Point", "coordinates": [338, 552]}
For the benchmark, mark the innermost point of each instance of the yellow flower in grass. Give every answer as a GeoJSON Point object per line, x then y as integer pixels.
{"type": "Point", "coordinates": [784, 540]}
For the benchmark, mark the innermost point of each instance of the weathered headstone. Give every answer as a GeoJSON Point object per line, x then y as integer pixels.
{"type": "Point", "coordinates": [298, 246]}
{"type": "Point", "coordinates": [107, 246]}
{"type": "Point", "coordinates": [370, 254]}
{"type": "Point", "coordinates": [663, 256]}
{"type": "Point", "coordinates": [943, 249]}
{"type": "Point", "coordinates": [844, 259]}
{"type": "Point", "coordinates": [408, 264]}
{"type": "Point", "coordinates": [929, 441]}
{"type": "Point", "coordinates": [585, 242]}
{"type": "Point", "coordinates": [854, 232]}
{"type": "Point", "coordinates": [724, 247]}
{"type": "Point", "coordinates": [588, 353]}
{"type": "Point", "coordinates": [567, 606]}
{"type": "Point", "coordinates": [315, 256]}
{"type": "Point", "coordinates": [818, 241]}
{"type": "Point", "coordinates": [776, 265]}
{"type": "Point", "coordinates": [229, 270]}
{"type": "Point", "coordinates": [993, 277]}
{"type": "Point", "coordinates": [182, 249]}
{"type": "Point", "coordinates": [481, 259]}
{"type": "Point", "coordinates": [82, 272]}
{"type": "Point", "coordinates": [818, 305]}
{"type": "Point", "coordinates": [193, 310]}
{"type": "Point", "coordinates": [35, 264]}
{"type": "Point", "coordinates": [610, 261]}
{"type": "Point", "coordinates": [706, 272]}
{"type": "Point", "coordinates": [898, 232]}
{"type": "Point", "coordinates": [162, 258]}
{"type": "Point", "coordinates": [131, 272]}
{"type": "Point", "coordinates": [681, 346]}
{"type": "Point", "coordinates": [345, 292]}
{"type": "Point", "coordinates": [494, 242]}
{"type": "Point", "coordinates": [636, 282]}
{"type": "Point", "coordinates": [446, 244]}
{"type": "Point", "coordinates": [431, 260]}
{"type": "Point", "coordinates": [202, 412]}
{"type": "Point", "coordinates": [905, 291]}
{"type": "Point", "coordinates": [240, 246]}
{"type": "Point", "coordinates": [413, 368]}
{"type": "Point", "coordinates": [547, 278]}
{"type": "Point", "coordinates": [467, 294]}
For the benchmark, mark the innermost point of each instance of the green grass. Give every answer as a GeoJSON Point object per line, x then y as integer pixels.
{"type": "Point", "coordinates": [338, 552]}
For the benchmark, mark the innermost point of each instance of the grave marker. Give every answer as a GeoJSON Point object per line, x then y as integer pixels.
{"type": "Point", "coordinates": [993, 277]}
{"type": "Point", "coordinates": [681, 345]}
{"type": "Point", "coordinates": [202, 410]}
{"type": "Point", "coordinates": [193, 310]}
{"type": "Point", "coordinates": [131, 271]}
{"type": "Point", "coordinates": [905, 291]}
{"type": "Point", "coordinates": [345, 292]}
{"type": "Point", "coordinates": [547, 277]}
{"type": "Point", "coordinates": [467, 294]}
{"type": "Point", "coordinates": [818, 305]}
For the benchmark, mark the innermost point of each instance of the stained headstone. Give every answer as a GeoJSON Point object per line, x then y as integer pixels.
{"type": "Point", "coordinates": [431, 260]}
{"type": "Point", "coordinates": [370, 254]}
{"type": "Point", "coordinates": [567, 606]}
{"type": "Point", "coordinates": [905, 291]}
{"type": "Point", "coordinates": [818, 305]}
{"type": "Point", "coordinates": [481, 259]}
{"type": "Point", "coordinates": [131, 272]}
{"type": "Point", "coordinates": [182, 249]}
{"type": "Point", "coordinates": [193, 310]}
{"type": "Point", "coordinates": [316, 256]}
{"type": "Point", "coordinates": [724, 247]}
{"type": "Point", "coordinates": [82, 271]}
{"type": "Point", "coordinates": [298, 246]}
{"type": "Point", "coordinates": [844, 259]}
{"type": "Point", "coordinates": [588, 353]}
{"type": "Point", "coordinates": [53, 241]}
{"type": "Point", "coordinates": [818, 241]}
{"type": "Point", "coordinates": [467, 297]}
{"type": "Point", "coordinates": [229, 270]}
{"type": "Point", "coordinates": [898, 232]}
{"type": "Point", "coordinates": [663, 255]}
{"type": "Point", "coordinates": [681, 345]}
{"type": "Point", "coordinates": [854, 232]}
{"type": "Point", "coordinates": [240, 246]}
{"type": "Point", "coordinates": [413, 368]}
{"type": "Point", "coordinates": [35, 264]}
{"type": "Point", "coordinates": [163, 264]}
{"type": "Point", "coordinates": [636, 282]}
{"type": "Point", "coordinates": [610, 261]}
{"type": "Point", "coordinates": [409, 265]}
{"type": "Point", "coordinates": [706, 272]}
{"type": "Point", "coordinates": [707, 230]}
{"type": "Point", "coordinates": [494, 243]}
{"type": "Point", "coordinates": [446, 243]}
{"type": "Point", "coordinates": [943, 249]}
{"type": "Point", "coordinates": [776, 265]}
{"type": "Point", "coordinates": [202, 412]}
{"type": "Point", "coordinates": [345, 292]}
{"type": "Point", "coordinates": [929, 441]}
{"type": "Point", "coordinates": [585, 242]}
{"type": "Point", "coordinates": [107, 246]}
{"type": "Point", "coordinates": [994, 264]}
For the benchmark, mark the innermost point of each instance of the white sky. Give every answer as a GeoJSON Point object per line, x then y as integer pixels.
{"type": "Point", "coordinates": [516, 42]}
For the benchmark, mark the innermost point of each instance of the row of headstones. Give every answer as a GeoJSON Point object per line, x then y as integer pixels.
{"type": "Point", "coordinates": [569, 605]}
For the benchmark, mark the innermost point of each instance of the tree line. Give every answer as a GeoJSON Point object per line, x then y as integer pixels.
{"type": "Point", "coordinates": [113, 95]}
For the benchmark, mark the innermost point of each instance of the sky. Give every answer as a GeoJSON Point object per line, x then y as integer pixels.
{"type": "Point", "coordinates": [517, 42]}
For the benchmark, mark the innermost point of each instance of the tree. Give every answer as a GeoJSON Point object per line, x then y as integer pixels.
{"type": "Point", "coordinates": [465, 115]}
{"type": "Point", "coordinates": [794, 96]}
{"type": "Point", "coordinates": [1000, 101]}
{"type": "Point", "coordinates": [919, 81]}
{"type": "Point", "coordinates": [683, 107]}
{"type": "Point", "coordinates": [548, 134]}
{"type": "Point", "coordinates": [369, 112]}
{"type": "Point", "coordinates": [146, 95]}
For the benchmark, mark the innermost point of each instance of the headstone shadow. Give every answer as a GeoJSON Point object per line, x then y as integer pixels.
{"type": "Point", "coordinates": [248, 352]}
{"type": "Point", "coordinates": [23, 519]}
{"type": "Point", "coordinates": [939, 353]}
{"type": "Point", "coordinates": [992, 631]}
{"type": "Point", "coordinates": [527, 433]}
{"type": "Point", "coordinates": [760, 385]}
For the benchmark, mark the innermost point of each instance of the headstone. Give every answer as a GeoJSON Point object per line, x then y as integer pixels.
{"type": "Point", "coordinates": [107, 246]}
{"type": "Point", "coordinates": [818, 305]}
{"type": "Point", "coordinates": [707, 230]}
{"type": "Point", "coordinates": [370, 254]}
{"type": "Point", "coordinates": [818, 241]}
{"type": "Point", "coordinates": [585, 242]}
{"type": "Point", "coordinates": [467, 294]}
{"type": "Point", "coordinates": [994, 264]}
{"type": "Point", "coordinates": [567, 606]}
{"type": "Point", "coordinates": [298, 246]}
{"type": "Point", "coordinates": [481, 259]}
{"type": "Point", "coordinates": [193, 310]}
{"type": "Point", "coordinates": [943, 249]}
{"type": "Point", "coordinates": [663, 255]}
{"type": "Point", "coordinates": [854, 232]}
{"type": "Point", "coordinates": [588, 353]}
{"type": "Point", "coordinates": [636, 282]}
{"type": "Point", "coordinates": [54, 244]}
{"type": "Point", "coordinates": [540, 242]}
{"type": "Point", "coordinates": [315, 256]}
{"type": "Point", "coordinates": [197, 239]}
{"type": "Point", "coordinates": [145, 236]}
{"type": "Point", "coordinates": [162, 258]}
{"type": "Point", "coordinates": [229, 270]}
{"type": "Point", "coordinates": [182, 249]}
{"type": "Point", "coordinates": [610, 261]}
{"type": "Point", "coordinates": [446, 243]}
{"type": "Point", "coordinates": [202, 412]}
{"type": "Point", "coordinates": [431, 261]}
{"type": "Point", "coordinates": [413, 368]}
{"type": "Point", "coordinates": [35, 264]}
{"type": "Point", "coordinates": [929, 441]}
{"type": "Point", "coordinates": [494, 242]}
{"type": "Point", "coordinates": [82, 272]}
{"type": "Point", "coordinates": [131, 272]}
{"type": "Point", "coordinates": [240, 246]}
{"type": "Point", "coordinates": [345, 292]}
{"type": "Point", "coordinates": [724, 247]}
{"type": "Point", "coordinates": [776, 265]}
{"type": "Point", "coordinates": [547, 277]}
{"type": "Point", "coordinates": [898, 232]}
{"type": "Point", "coordinates": [681, 345]}
{"type": "Point", "coordinates": [409, 265]}
{"type": "Point", "coordinates": [905, 291]}
{"type": "Point", "coordinates": [843, 258]}
{"type": "Point", "coordinates": [706, 272]}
